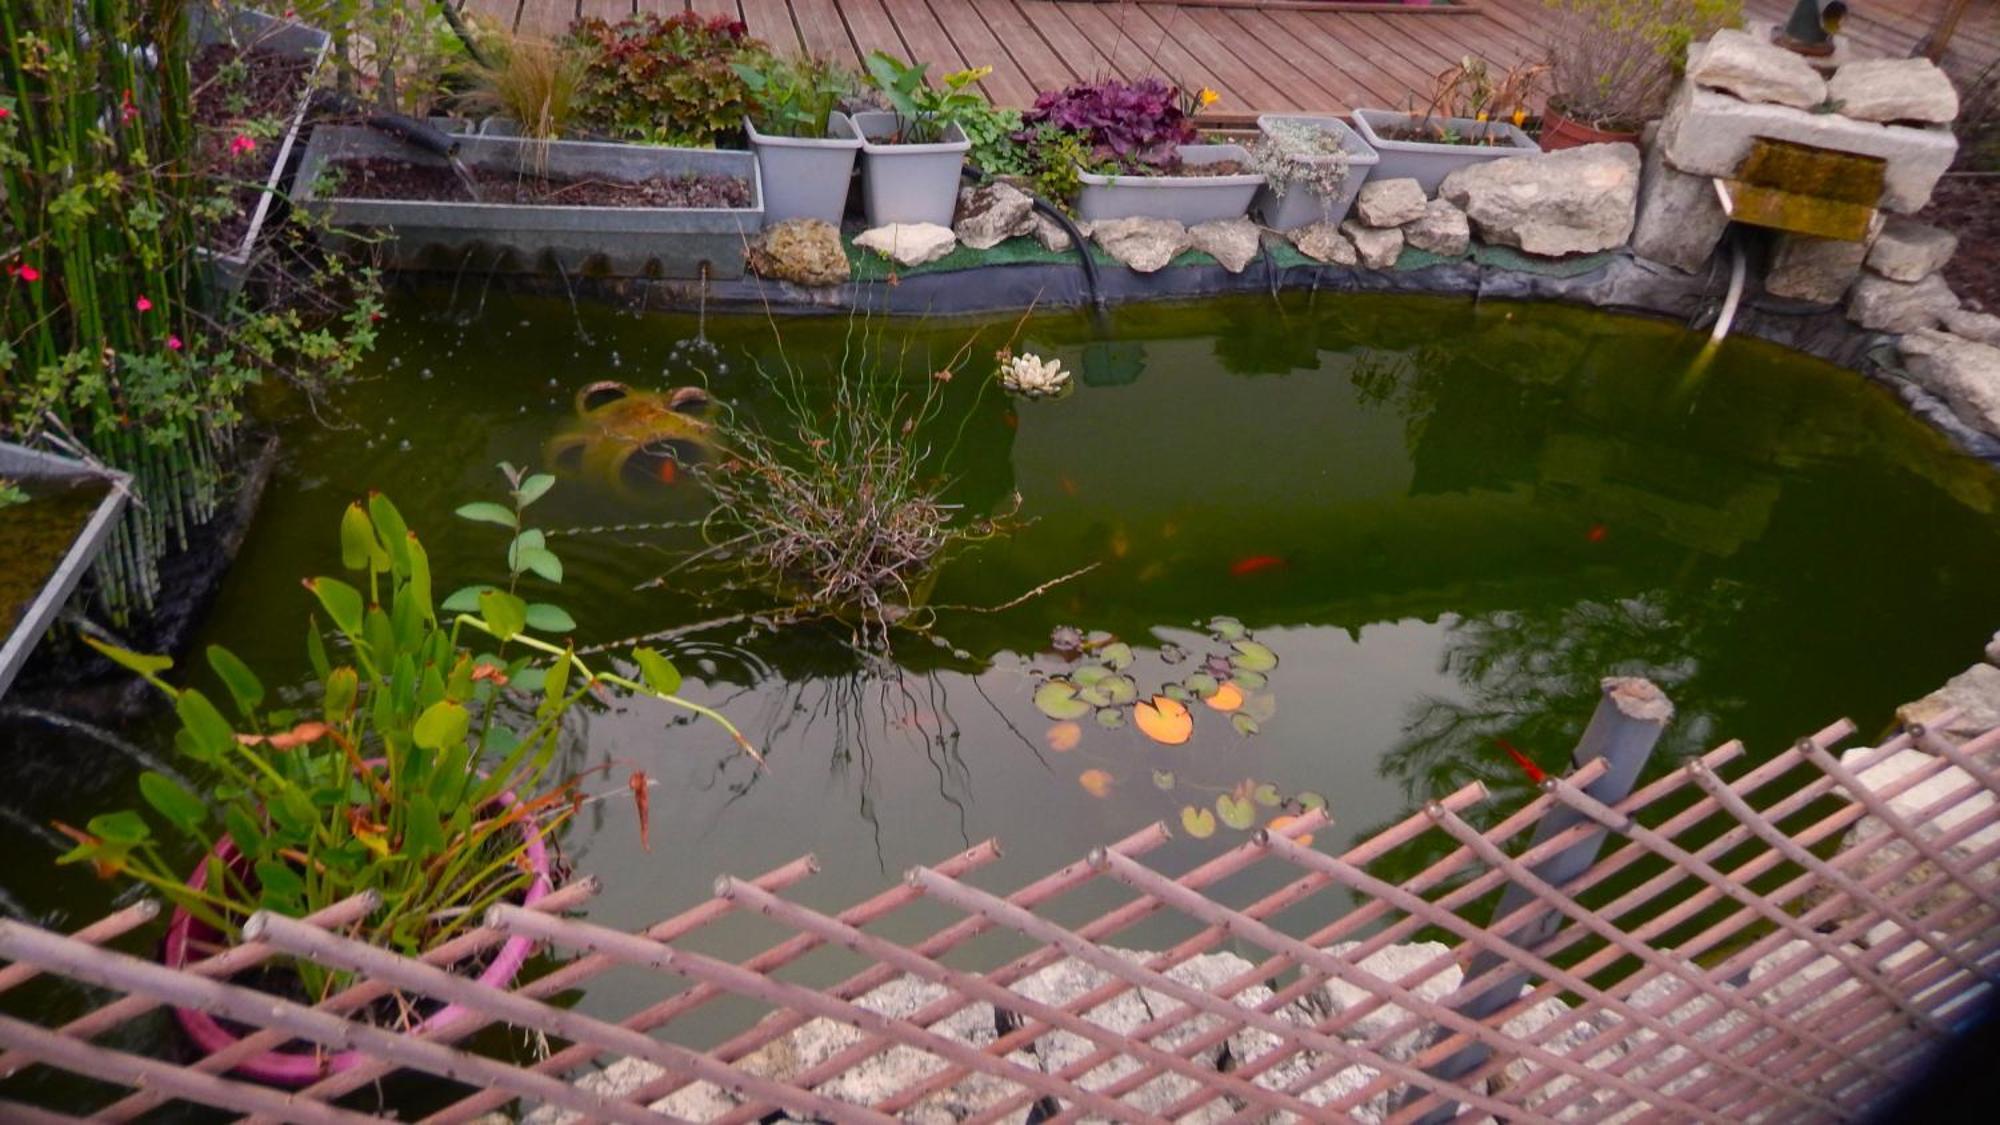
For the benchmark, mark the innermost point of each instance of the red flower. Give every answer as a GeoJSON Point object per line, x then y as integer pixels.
{"type": "Point", "coordinates": [29, 273]}
{"type": "Point", "coordinates": [142, 304]}
{"type": "Point", "coordinates": [241, 144]}
{"type": "Point", "coordinates": [173, 343]}
{"type": "Point", "coordinates": [5, 113]}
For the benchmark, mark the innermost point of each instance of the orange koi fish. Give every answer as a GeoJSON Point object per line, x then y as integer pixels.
{"type": "Point", "coordinates": [1255, 564]}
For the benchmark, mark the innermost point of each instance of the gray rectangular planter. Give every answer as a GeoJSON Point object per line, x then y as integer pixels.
{"type": "Point", "coordinates": [226, 268]}
{"type": "Point", "coordinates": [47, 470]}
{"type": "Point", "coordinates": [908, 183]}
{"type": "Point", "coordinates": [807, 177]}
{"type": "Point", "coordinates": [671, 242]}
{"type": "Point", "coordinates": [1184, 199]}
{"type": "Point", "coordinates": [1429, 163]}
{"type": "Point", "coordinates": [1298, 205]}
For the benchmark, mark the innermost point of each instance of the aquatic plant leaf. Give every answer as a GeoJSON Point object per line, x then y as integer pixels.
{"type": "Point", "coordinates": [1089, 675]}
{"type": "Point", "coordinates": [465, 599]}
{"type": "Point", "coordinates": [1057, 699]}
{"type": "Point", "coordinates": [277, 882]}
{"type": "Point", "coordinates": [505, 615]}
{"type": "Point", "coordinates": [1097, 783]}
{"type": "Point", "coordinates": [389, 524]}
{"type": "Point", "coordinates": [543, 562]}
{"type": "Point", "coordinates": [486, 511]}
{"type": "Point", "coordinates": [1236, 812]}
{"type": "Point", "coordinates": [1097, 638]}
{"type": "Point", "coordinates": [660, 673]}
{"type": "Point", "coordinates": [1250, 681]}
{"type": "Point", "coordinates": [137, 662]}
{"type": "Point", "coordinates": [1063, 737]}
{"type": "Point", "coordinates": [1310, 800]}
{"type": "Point", "coordinates": [244, 686]}
{"type": "Point", "coordinates": [1201, 684]}
{"type": "Point", "coordinates": [1171, 653]}
{"type": "Point", "coordinates": [342, 602]}
{"type": "Point", "coordinates": [534, 488]}
{"type": "Point", "coordinates": [549, 618]}
{"type": "Point", "coordinates": [1244, 724]}
{"type": "Point", "coordinates": [206, 729]}
{"type": "Point", "coordinates": [1176, 691]}
{"type": "Point", "coordinates": [1226, 698]}
{"type": "Point", "coordinates": [1279, 824]}
{"type": "Point", "coordinates": [182, 808]}
{"type": "Point", "coordinates": [442, 724]}
{"type": "Point", "coordinates": [1227, 628]}
{"type": "Point", "coordinates": [1266, 795]}
{"type": "Point", "coordinates": [1253, 657]}
{"type": "Point", "coordinates": [1095, 695]}
{"type": "Point", "coordinates": [1163, 779]}
{"type": "Point", "coordinates": [1118, 656]}
{"type": "Point", "coordinates": [1164, 720]}
{"type": "Point", "coordinates": [1260, 706]}
{"type": "Point", "coordinates": [1200, 823]}
{"type": "Point", "coordinates": [1110, 718]}
{"type": "Point", "coordinates": [359, 548]}
{"type": "Point", "coordinates": [1120, 689]}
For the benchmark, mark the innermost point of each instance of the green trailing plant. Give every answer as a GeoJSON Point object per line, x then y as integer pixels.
{"type": "Point", "coordinates": [924, 112]}
{"type": "Point", "coordinates": [666, 79]}
{"type": "Point", "coordinates": [1058, 158]}
{"type": "Point", "coordinates": [419, 766]}
{"type": "Point", "coordinates": [1616, 61]}
{"type": "Point", "coordinates": [996, 150]}
{"type": "Point", "coordinates": [794, 97]}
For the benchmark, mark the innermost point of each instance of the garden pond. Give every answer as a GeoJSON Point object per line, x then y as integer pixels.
{"type": "Point", "coordinates": [1425, 526]}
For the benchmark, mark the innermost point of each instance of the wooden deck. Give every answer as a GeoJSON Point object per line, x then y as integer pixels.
{"type": "Point", "coordinates": [1259, 55]}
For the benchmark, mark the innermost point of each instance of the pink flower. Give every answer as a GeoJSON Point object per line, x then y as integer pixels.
{"type": "Point", "coordinates": [126, 110]}
{"type": "Point", "coordinates": [142, 304]}
{"type": "Point", "coordinates": [173, 343]}
{"type": "Point", "coordinates": [241, 144]}
{"type": "Point", "coordinates": [5, 113]}
{"type": "Point", "coordinates": [29, 273]}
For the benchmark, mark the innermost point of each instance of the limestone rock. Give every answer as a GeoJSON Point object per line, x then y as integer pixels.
{"type": "Point", "coordinates": [1377, 249]}
{"type": "Point", "coordinates": [1882, 305]}
{"type": "Point", "coordinates": [1233, 242]}
{"type": "Point", "coordinates": [1051, 234]}
{"type": "Point", "coordinates": [1442, 230]}
{"type": "Point", "coordinates": [909, 244]}
{"type": "Point", "coordinates": [1756, 70]}
{"type": "Point", "coordinates": [699, 1101]}
{"type": "Point", "coordinates": [991, 214]}
{"type": "Point", "coordinates": [1894, 90]}
{"type": "Point", "coordinates": [1820, 270]}
{"type": "Point", "coordinates": [1577, 201]}
{"type": "Point", "coordinates": [1391, 962]}
{"type": "Point", "coordinates": [1993, 650]}
{"type": "Point", "coordinates": [1973, 693]}
{"type": "Point", "coordinates": [1706, 133]}
{"type": "Point", "coordinates": [1680, 218]}
{"type": "Point", "coordinates": [1966, 375]}
{"type": "Point", "coordinates": [1912, 805]}
{"type": "Point", "coordinates": [1979, 327]}
{"type": "Point", "coordinates": [1323, 242]}
{"type": "Point", "coordinates": [1908, 250]}
{"type": "Point", "coordinates": [801, 251]}
{"type": "Point", "coordinates": [1390, 203]}
{"type": "Point", "coordinates": [1145, 245]}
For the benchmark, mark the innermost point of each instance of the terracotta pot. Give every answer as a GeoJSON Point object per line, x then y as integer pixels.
{"type": "Point", "coordinates": [1560, 131]}
{"type": "Point", "coordinates": [294, 1068]}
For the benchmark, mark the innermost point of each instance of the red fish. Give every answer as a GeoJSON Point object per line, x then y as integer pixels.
{"type": "Point", "coordinates": [668, 473]}
{"type": "Point", "coordinates": [1597, 533]}
{"type": "Point", "coordinates": [640, 799]}
{"type": "Point", "coordinates": [1534, 772]}
{"type": "Point", "coordinates": [1254, 564]}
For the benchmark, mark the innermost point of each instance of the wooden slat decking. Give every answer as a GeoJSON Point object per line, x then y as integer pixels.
{"type": "Point", "coordinates": [1260, 56]}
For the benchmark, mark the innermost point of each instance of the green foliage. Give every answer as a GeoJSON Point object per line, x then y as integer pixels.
{"type": "Point", "coordinates": [923, 111]}
{"type": "Point", "coordinates": [666, 80]}
{"type": "Point", "coordinates": [794, 97]}
{"type": "Point", "coordinates": [11, 493]}
{"type": "Point", "coordinates": [1058, 158]}
{"type": "Point", "coordinates": [1615, 61]}
{"type": "Point", "coordinates": [394, 53]}
{"type": "Point", "coordinates": [995, 149]}
{"type": "Point", "coordinates": [396, 780]}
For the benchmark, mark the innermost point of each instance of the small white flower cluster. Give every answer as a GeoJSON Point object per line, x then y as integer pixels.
{"type": "Point", "coordinates": [1033, 376]}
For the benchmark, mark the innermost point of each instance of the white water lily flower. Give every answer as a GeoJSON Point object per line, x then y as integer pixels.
{"type": "Point", "coordinates": [1033, 376]}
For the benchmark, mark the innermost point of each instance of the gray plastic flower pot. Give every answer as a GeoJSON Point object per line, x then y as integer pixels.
{"type": "Point", "coordinates": [1184, 199]}
{"type": "Point", "coordinates": [1429, 163]}
{"type": "Point", "coordinates": [806, 177]}
{"type": "Point", "coordinates": [41, 471]}
{"type": "Point", "coordinates": [226, 268]}
{"type": "Point", "coordinates": [671, 242]}
{"type": "Point", "coordinates": [907, 183]}
{"type": "Point", "coordinates": [1295, 204]}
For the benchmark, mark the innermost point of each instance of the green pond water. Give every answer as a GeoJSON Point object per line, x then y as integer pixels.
{"type": "Point", "coordinates": [1446, 520]}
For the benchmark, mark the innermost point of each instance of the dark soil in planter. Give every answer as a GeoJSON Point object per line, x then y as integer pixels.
{"type": "Point", "coordinates": [1186, 171]}
{"type": "Point", "coordinates": [1418, 134]}
{"type": "Point", "coordinates": [1969, 206]}
{"type": "Point", "coordinates": [398, 179]}
{"type": "Point", "coordinates": [235, 88]}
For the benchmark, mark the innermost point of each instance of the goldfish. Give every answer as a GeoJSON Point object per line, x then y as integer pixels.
{"type": "Point", "coordinates": [1534, 772]}
{"type": "Point", "coordinates": [1596, 533]}
{"type": "Point", "coordinates": [1254, 564]}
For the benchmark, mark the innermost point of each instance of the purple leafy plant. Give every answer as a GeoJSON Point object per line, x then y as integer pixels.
{"type": "Point", "coordinates": [1135, 126]}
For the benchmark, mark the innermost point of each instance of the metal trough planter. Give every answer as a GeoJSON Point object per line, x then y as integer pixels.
{"type": "Point", "coordinates": [47, 544]}
{"type": "Point", "coordinates": [668, 242]}
{"type": "Point", "coordinates": [226, 269]}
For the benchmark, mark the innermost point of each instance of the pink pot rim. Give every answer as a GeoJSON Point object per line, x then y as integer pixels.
{"type": "Point", "coordinates": [292, 1068]}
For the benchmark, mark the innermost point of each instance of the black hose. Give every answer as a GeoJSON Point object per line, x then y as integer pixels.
{"type": "Point", "coordinates": [972, 172]}
{"type": "Point", "coordinates": [420, 133]}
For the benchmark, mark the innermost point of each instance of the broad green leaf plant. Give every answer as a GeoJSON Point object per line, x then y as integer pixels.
{"type": "Point", "coordinates": [923, 111]}
{"type": "Point", "coordinates": [419, 766]}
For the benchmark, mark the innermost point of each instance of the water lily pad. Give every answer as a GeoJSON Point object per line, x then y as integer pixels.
{"type": "Point", "coordinates": [1199, 823]}
{"type": "Point", "coordinates": [1253, 657]}
{"type": "Point", "coordinates": [1236, 812]}
{"type": "Point", "coordinates": [1225, 698]}
{"type": "Point", "coordinates": [1110, 718]}
{"type": "Point", "coordinates": [1088, 675]}
{"type": "Point", "coordinates": [1097, 783]}
{"type": "Point", "coordinates": [1244, 724]}
{"type": "Point", "coordinates": [1164, 720]}
{"type": "Point", "coordinates": [1057, 699]}
{"type": "Point", "coordinates": [1121, 689]}
{"type": "Point", "coordinates": [1201, 684]}
{"type": "Point", "coordinates": [1171, 653]}
{"type": "Point", "coordinates": [1163, 779]}
{"type": "Point", "coordinates": [1250, 681]}
{"type": "Point", "coordinates": [1097, 638]}
{"type": "Point", "coordinates": [1227, 628]}
{"type": "Point", "coordinates": [1219, 667]}
{"type": "Point", "coordinates": [1260, 706]}
{"type": "Point", "coordinates": [1266, 795]}
{"type": "Point", "coordinates": [1095, 695]}
{"type": "Point", "coordinates": [1309, 801]}
{"type": "Point", "coordinates": [1063, 737]}
{"type": "Point", "coordinates": [1177, 692]}
{"type": "Point", "coordinates": [1118, 656]}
